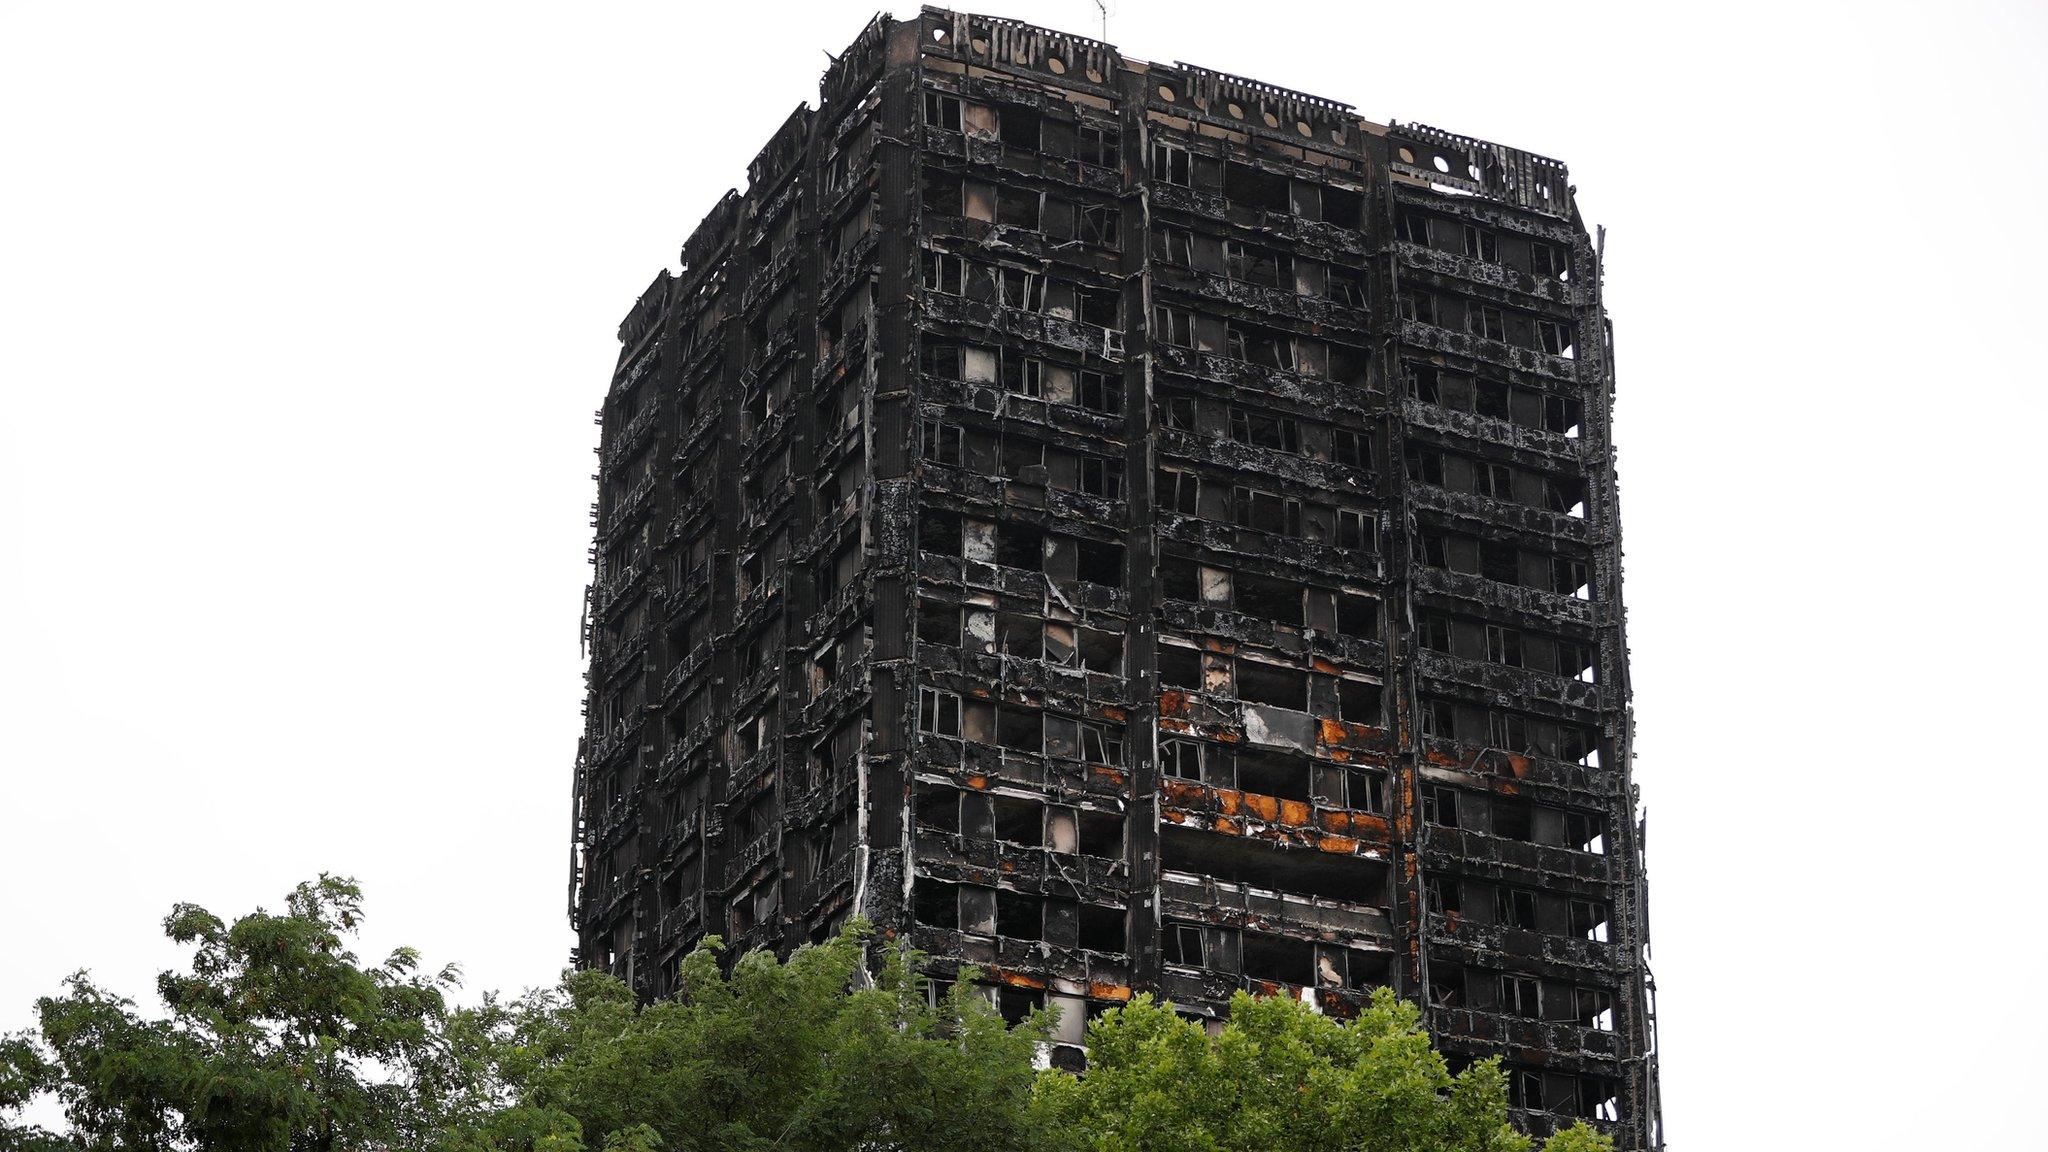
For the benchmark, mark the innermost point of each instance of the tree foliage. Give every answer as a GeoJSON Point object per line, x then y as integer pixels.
{"type": "Point", "coordinates": [1280, 1077]}
{"type": "Point", "coordinates": [278, 1039]}
{"type": "Point", "coordinates": [811, 1053]}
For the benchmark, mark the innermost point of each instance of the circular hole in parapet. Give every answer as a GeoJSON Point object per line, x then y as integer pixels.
{"type": "Point", "coordinates": [1058, 66]}
{"type": "Point", "coordinates": [1336, 135]}
{"type": "Point", "coordinates": [1019, 55]}
{"type": "Point", "coordinates": [1407, 156]}
{"type": "Point", "coordinates": [1443, 165]}
{"type": "Point", "coordinates": [1234, 110]}
{"type": "Point", "coordinates": [1271, 120]}
{"type": "Point", "coordinates": [978, 45]}
{"type": "Point", "coordinates": [1094, 77]}
{"type": "Point", "coordinates": [1474, 170]}
{"type": "Point", "coordinates": [941, 35]}
{"type": "Point", "coordinates": [1301, 128]}
{"type": "Point", "coordinates": [1166, 93]}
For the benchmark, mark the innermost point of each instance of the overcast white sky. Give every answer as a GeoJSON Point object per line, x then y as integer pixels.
{"type": "Point", "coordinates": [304, 312]}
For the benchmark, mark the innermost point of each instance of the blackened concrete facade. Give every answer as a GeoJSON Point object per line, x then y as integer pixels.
{"type": "Point", "coordinates": [1128, 528]}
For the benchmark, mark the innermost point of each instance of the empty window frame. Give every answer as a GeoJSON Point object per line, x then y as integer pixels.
{"type": "Point", "coordinates": [1175, 326]}
{"type": "Point", "coordinates": [1257, 344]}
{"type": "Point", "coordinates": [1170, 164]}
{"type": "Point", "coordinates": [1418, 305]}
{"type": "Point", "coordinates": [1438, 718]}
{"type": "Point", "coordinates": [1100, 650]}
{"type": "Point", "coordinates": [1101, 307]}
{"type": "Point", "coordinates": [944, 272]}
{"type": "Point", "coordinates": [1365, 789]}
{"type": "Point", "coordinates": [942, 193]}
{"type": "Point", "coordinates": [1269, 772]}
{"type": "Point", "coordinates": [1181, 759]}
{"type": "Point", "coordinates": [1100, 391]}
{"type": "Point", "coordinates": [1425, 465]}
{"type": "Point", "coordinates": [1258, 682]}
{"type": "Point", "coordinates": [1101, 834]}
{"type": "Point", "coordinates": [1020, 288]}
{"type": "Point", "coordinates": [1442, 895]}
{"type": "Point", "coordinates": [1018, 126]}
{"type": "Point", "coordinates": [1586, 832]}
{"type": "Point", "coordinates": [935, 903]}
{"type": "Point", "coordinates": [1097, 224]}
{"type": "Point", "coordinates": [1172, 245]}
{"type": "Point", "coordinates": [937, 807]}
{"type": "Point", "coordinates": [1020, 729]}
{"type": "Point", "coordinates": [1555, 337]}
{"type": "Point", "coordinates": [1351, 447]}
{"type": "Point", "coordinates": [1495, 480]}
{"type": "Point", "coordinates": [938, 712]}
{"type": "Point", "coordinates": [1358, 617]}
{"type": "Point", "coordinates": [1019, 207]}
{"type": "Point", "coordinates": [1181, 945]}
{"type": "Point", "coordinates": [1180, 667]}
{"type": "Point", "coordinates": [1178, 413]}
{"type": "Point", "coordinates": [1268, 598]}
{"type": "Point", "coordinates": [1440, 805]}
{"type": "Point", "coordinates": [1521, 996]}
{"type": "Point", "coordinates": [1485, 321]}
{"type": "Point", "coordinates": [942, 442]}
{"type": "Point", "coordinates": [1508, 731]}
{"type": "Point", "coordinates": [1482, 244]}
{"type": "Point", "coordinates": [1256, 264]}
{"type": "Point", "coordinates": [1018, 820]}
{"type": "Point", "coordinates": [1101, 743]}
{"type": "Point", "coordinates": [1023, 376]}
{"type": "Point", "coordinates": [1019, 916]}
{"type": "Point", "coordinates": [1266, 511]}
{"type": "Point", "coordinates": [1103, 477]}
{"type": "Point", "coordinates": [1102, 928]}
{"type": "Point", "coordinates": [1360, 701]}
{"type": "Point", "coordinates": [1020, 545]}
{"type": "Point", "coordinates": [1264, 429]}
{"type": "Point", "coordinates": [1020, 636]}
{"type": "Point", "coordinates": [1023, 459]}
{"type": "Point", "coordinates": [1357, 530]}
{"type": "Point", "coordinates": [938, 531]}
{"type": "Point", "coordinates": [1179, 492]}
{"type": "Point", "coordinates": [1097, 147]}
{"type": "Point", "coordinates": [1099, 563]}
{"type": "Point", "coordinates": [942, 111]}
{"type": "Point", "coordinates": [1504, 645]}
{"type": "Point", "coordinates": [1514, 908]}
{"type": "Point", "coordinates": [1587, 919]}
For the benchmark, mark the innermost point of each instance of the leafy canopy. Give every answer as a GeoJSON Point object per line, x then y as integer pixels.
{"type": "Point", "coordinates": [1280, 1077]}
{"type": "Point", "coordinates": [279, 1040]}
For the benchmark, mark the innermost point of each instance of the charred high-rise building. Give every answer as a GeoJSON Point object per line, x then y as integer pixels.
{"type": "Point", "coordinates": [1128, 527]}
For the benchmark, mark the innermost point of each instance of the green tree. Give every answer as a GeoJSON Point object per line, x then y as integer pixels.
{"type": "Point", "coordinates": [277, 1038]}
{"type": "Point", "coordinates": [810, 1053]}
{"type": "Point", "coordinates": [1281, 1077]}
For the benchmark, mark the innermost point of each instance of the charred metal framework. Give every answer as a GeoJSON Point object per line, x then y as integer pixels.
{"type": "Point", "coordinates": [1128, 527]}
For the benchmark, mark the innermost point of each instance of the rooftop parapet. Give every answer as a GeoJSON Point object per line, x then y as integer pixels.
{"type": "Point", "coordinates": [1008, 43]}
{"type": "Point", "coordinates": [1477, 168]}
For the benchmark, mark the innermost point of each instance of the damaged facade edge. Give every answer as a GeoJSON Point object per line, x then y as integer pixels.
{"type": "Point", "coordinates": [1128, 527]}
